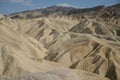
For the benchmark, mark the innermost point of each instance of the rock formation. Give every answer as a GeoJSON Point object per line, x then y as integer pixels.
{"type": "Point", "coordinates": [61, 43]}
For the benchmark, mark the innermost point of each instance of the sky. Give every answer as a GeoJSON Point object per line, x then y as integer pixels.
{"type": "Point", "coordinates": [12, 6]}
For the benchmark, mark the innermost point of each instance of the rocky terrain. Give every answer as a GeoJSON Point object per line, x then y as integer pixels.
{"type": "Point", "coordinates": [61, 43]}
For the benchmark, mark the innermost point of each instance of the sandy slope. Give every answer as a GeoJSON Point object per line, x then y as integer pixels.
{"type": "Point", "coordinates": [42, 29]}
{"type": "Point", "coordinates": [59, 48]}
{"type": "Point", "coordinates": [88, 44]}
{"type": "Point", "coordinates": [20, 54]}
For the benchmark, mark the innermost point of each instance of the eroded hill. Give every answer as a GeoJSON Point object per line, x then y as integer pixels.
{"type": "Point", "coordinates": [61, 46]}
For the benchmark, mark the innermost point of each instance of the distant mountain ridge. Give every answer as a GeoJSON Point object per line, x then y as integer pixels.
{"type": "Point", "coordinates": [60, 10]}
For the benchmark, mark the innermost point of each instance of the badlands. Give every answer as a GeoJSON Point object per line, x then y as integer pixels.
{"type": "Point", "coordinates": [61, 43]}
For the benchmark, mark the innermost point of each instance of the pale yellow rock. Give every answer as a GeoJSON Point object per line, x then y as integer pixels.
{"type": "Point", "coordinates": [58, 48]}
